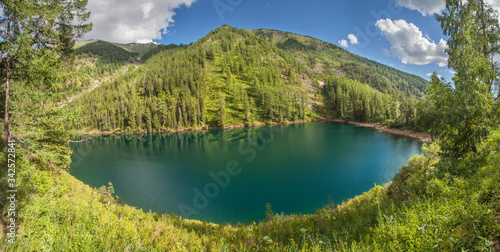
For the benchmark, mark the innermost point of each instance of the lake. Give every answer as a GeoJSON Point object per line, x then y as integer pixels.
{"type": "Point", "coordinates": [229, 175]}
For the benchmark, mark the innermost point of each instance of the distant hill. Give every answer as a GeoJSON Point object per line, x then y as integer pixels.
{"type": "Point", "coordinates": [139, 48]}
{"type": "Point", "coordinates": [108, 53]}
{"type": "Point", "coordinates": [82, 43]}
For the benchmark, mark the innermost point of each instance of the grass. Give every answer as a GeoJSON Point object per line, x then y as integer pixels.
{"type": "Point", "coordinates": [431, 205]}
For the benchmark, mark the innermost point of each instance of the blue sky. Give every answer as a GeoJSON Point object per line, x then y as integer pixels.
{"type": "Point", "coordinates": [400, 33]}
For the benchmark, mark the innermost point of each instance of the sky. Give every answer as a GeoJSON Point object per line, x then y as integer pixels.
{"type": "Point", "coordinates": [399, 33]}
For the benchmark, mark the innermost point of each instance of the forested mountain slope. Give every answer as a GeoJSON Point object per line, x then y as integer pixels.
{"type": "Point", "coordinates": [236, 76]}
{"type": "Point", "coordinates": [228, 77]}
{"type": "Point", "coordinates": [328, 59]}
{"type": "Point", "coordinates": [107, 53]}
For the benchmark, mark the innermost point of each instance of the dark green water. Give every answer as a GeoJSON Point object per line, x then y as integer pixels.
{"type": "Point", "coordinates": [230, 175]}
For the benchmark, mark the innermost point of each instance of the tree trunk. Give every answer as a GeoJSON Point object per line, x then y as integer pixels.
{"type": "Point", "coordinates": [6, 130]}
{"type": "Point", "coordinates": [179, 122]}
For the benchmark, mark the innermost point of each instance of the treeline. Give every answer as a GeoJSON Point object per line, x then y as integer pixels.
{"type": "Point", "coordinates": [386, 80]}
{"type": "Point", "coordinates": [110, 55]}
{"type": "Point", "coordinates": [160, 48]}
{"type": "Point", "coordinates": [335, 60]}
{"type": "Point", "coordinates": [229, 77]}
{"type": "Point", "coordinates": [352, 100]}
{"type": "Point", "coordinates": [232, 76]}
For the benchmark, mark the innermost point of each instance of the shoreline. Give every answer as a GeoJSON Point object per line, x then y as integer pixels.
{"type": "Point", "coordinates": [419, 136]}
{"type": "Point", "coordinates": [236, 126]}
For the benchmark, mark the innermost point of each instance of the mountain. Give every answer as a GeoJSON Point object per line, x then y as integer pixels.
{"type": "Point", "coordinates": [234, 76]}
{"type": "Point", "coordinates": [124, 52]}
{"type": "Point", "coordinates": [326, 59]}
{"type": "Point", "coordinates": [106, 52]}
{"type": "Point", "coordinates": [139, 48]}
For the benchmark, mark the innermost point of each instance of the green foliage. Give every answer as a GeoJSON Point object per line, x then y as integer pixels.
{"type": "Point", "coordinates": [336, 61]}
{"type": "Point", "coordinates": [351, 100]}
{"type": "Point", "coordinates": [424, 208]}
{"type": "Point", "coordinates": [229, 77]}
{"type": "Point", "coordinates": [221, 113]}
{"type": "Point", "coordinates": [107, 53]}
{"type": "Point", "coordinates": [181, 88]}
{"type": "Point", "coordinates": [159, 48]}
{"type": "Point", "coordinates": [34, 44]}
{"type": "Point", "coordinates": [462, 113]}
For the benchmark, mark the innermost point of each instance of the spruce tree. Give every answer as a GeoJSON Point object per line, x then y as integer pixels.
{"type": "Point", "coordinates": [34, 38]}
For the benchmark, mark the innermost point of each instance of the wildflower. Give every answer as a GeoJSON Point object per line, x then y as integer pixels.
{"type": "Point", "coordinates": [303, 230]}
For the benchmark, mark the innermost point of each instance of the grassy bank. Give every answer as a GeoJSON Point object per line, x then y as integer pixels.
{"type": "Point", "coordinates": [429, 205]}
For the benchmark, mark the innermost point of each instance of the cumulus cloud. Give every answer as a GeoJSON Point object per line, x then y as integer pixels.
{"type": "Point", "coordinates": [426, 7]}
{"type": "Point", "coordinates": [344, 43]}
{"type": "Point", "coordinates": [430, 7]}
{"type": "Point", "coordinates": [353, 39]}
{"type": "Point", "coordinates": [430, 74]}
{"type": "Point", "coordinates": [125, 21]}
{"type": "Point", "coordinates": [409, 44]}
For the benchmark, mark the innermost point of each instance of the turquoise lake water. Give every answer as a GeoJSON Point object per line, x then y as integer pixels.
{"type": "Point", "coordinates": [230, 175]}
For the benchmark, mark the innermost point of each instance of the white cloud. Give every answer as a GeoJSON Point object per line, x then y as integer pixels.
{"type": "Point", "coordinates": [430, 7]}
{"type": "Point", "coordinates": [126, 21]}
{"type": "Point", "coordinates": [430, 74]}
{"type": "Point", "coordinates": [426, 7]}
{"type": "Point", "coordinates": [353, 39]}
{"type": "Point", "coordinates": [409, 44]}
{"type": "Point", "coordinates": [344, 43]}
{"type": "Point", "coordinates": [495, 4]}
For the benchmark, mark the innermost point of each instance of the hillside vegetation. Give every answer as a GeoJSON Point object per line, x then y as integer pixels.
{"type": "Point", "coordinates": [235, 77]}
{"type": "Point", "coordinates": [327, 59]}
{"type": "Point", "coordinates": [430, 205]}
{"type": "Point", "coordinates": [228, 77]}
{"type": "Point", "coordinates": [109, 56]}
{"type": "Point", "coordinates": [446, 199]}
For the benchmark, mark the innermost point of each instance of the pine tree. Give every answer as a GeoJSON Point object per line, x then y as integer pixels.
{"type": "Point", "coordinates": [31, 44]}
{"type": "Point", "coordinates": [221, 111]}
